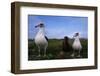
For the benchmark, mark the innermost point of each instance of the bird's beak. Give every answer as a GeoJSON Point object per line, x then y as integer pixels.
{"type": "Point", "coordinates": [36, 26]}
{"type": "Point", "coordinates": [74, 36]}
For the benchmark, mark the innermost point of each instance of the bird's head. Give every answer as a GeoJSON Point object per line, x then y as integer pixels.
{"type": "Point", "coordinates": [66, 38]}
{"type": "Point", "coordinates": [76, 34]}
{"type": "Point", "coordinates": [39, 25]}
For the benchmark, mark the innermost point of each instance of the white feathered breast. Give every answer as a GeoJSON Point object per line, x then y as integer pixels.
{"type": "Point", "coordinates": [40, 40]}
{"type": "Point", "coordinates": [77, 45]}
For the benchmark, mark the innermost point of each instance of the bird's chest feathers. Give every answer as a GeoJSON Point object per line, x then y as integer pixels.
{"type": "Point", "coordinates": [77, 44]}
{"type": "Point", "coordinates": [40, 38]}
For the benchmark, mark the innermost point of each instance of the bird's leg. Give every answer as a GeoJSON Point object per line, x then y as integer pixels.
{"type": "Point", "coordinates": [73, 54]}
{"type": "Point", "coordinates": [79, 54]}
{"type": "Point", "coordinates": [39, 52]}
{"type": "Point", "coordinates": [45, 51]}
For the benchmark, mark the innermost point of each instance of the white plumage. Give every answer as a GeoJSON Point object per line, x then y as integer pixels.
{"type": "Point", "coordinates": [76, 45]}
{"type": "Point", "coordinates": [40, 39]}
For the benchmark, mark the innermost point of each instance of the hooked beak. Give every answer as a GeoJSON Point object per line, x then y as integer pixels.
{"type": "Point", "coordinates": [74, 36]}
{"type": "Point", "coordinates": [36, 26]}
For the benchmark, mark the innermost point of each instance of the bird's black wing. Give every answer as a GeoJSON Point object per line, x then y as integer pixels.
{"type": "Point", "coordinates": [46, 38]}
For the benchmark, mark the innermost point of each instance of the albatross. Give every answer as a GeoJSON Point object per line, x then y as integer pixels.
{"type": "Point", "coordinates": [41, 40]}
{"type": "Point", "coordinates": [76, 45]}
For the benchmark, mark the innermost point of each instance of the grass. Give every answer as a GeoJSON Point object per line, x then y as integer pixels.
{"type": "Point", "coordinates": [54, 50]}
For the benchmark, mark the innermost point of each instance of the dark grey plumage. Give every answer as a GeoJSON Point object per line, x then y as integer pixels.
{"type": "Point", "coordinates": [46, 38]}
{"type": "Point", "coordinates": [66, 45]}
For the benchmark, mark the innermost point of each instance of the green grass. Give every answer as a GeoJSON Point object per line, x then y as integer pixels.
{"type": "Point", "coordinates": [54, 50]}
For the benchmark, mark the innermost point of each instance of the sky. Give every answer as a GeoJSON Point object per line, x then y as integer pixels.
{"type": "Point", "coordinates": [56, 27]}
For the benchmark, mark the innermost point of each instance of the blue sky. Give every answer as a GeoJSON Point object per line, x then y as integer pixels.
{"type": "Point", "coordinates": [58, 26]}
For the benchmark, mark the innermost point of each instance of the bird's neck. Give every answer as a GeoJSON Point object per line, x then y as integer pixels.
{"type": "Point", "coordinates": [77, 38]}
{"type": "Point", "coordinates": [41, 31]}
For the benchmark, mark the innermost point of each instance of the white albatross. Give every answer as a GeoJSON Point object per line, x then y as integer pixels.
{"type": "Point", "coordinates": [76, 45]}
{"type": "Point", "coordinates": [41, 40]}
